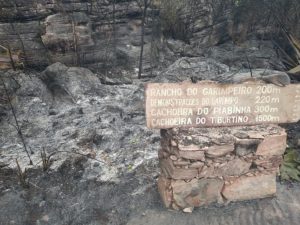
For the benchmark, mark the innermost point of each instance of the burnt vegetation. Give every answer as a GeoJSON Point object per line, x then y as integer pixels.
{"type": "Point", "coordinates": [80, 124]}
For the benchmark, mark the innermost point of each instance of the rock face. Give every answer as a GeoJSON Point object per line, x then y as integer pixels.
{"type": "Point", "coordinates": [76, 32]}
{"type": "Point", "coordinates": [202, 68]}
{"type": "Point", "coordinates": [200, 166]}
{"type": "Point", "coordinates": [106, 35]}
{"type": "Point", "coordinates": [66, 34]}
{"type": "Point", "coordinates": [203, 23]}
{"type": "Point", "coordinates": [254, 54]}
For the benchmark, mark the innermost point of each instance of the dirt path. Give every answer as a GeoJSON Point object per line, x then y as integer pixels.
{"type": "Point", "coordinates": [284, 209]}
{"type": "Point", "coordinates": [65, 197]}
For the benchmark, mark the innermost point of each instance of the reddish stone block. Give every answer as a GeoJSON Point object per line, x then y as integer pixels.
{"type": "Point", "coordinates": [191, 147]}
{"type": "Point", "coordinates": [246, 146]}
{"type": "Point", "coordinates": [218, 150]}
{"type": "Point", "coordinates": [170, 171]}
{"type": "Point", "coordinates": [181, 163]}
{"type": "Point", "coordinates": [207, 172]}
{"type": "Point", "coordinates": [236, 167]}
{"type": "Point", "coordinates": [269, 162]}
{"type": "Point", "coordinates": [198, 165]}
{"type": "Point", "coordinates": [164, 190]}
{"type": "Point", "coordinates": [273, 145]}
{"type": "Point", "coordinates": [197, 192]}
{"type": "Point", "coordinates": [194, 155]}
{"type": "Point", "coordinates": [247, 188]}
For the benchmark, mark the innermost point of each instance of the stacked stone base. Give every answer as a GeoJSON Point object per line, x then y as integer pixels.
{"type": "Point", "coordinates": [201, 166]}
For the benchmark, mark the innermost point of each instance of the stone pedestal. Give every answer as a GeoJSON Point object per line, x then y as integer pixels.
{"type": "Point", "coordinates": [200, 166]}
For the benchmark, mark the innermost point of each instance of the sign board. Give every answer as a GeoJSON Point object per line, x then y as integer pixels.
{"type": "Point", "coordinates": [213, 105]}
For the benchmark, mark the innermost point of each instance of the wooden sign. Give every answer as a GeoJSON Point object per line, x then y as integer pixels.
{"type": "Point", "coordinates": [213, 105]}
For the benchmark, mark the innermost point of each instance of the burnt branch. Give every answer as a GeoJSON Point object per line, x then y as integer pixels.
{"type": "Point", "coordinates": [17, 126]}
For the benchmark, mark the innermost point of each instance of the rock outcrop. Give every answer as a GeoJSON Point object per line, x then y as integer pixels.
{"type": "Point", "coordinates": [76, 32]}
{"type": "Point", "coordinates": [205, 68]}
{"type": "Point", "coordinates": [106, 35]}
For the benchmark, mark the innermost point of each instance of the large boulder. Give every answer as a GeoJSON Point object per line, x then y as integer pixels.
{"type": "Point", "coordinates": [252, 54]}
{"type": "Point", "coordinates": [201, 68]}
{"type": "Point", "coordinates": [67, 35]}
{"type": "Point", "coordinates": [197, 68]}
{"type": "Point", "coordinates": [63, 30]}
{"type": "Point", "coordinates": [269, 76]}
{"type": "Point", "coordinates": [74, 81]}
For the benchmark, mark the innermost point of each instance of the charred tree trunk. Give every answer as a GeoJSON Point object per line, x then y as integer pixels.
{"type": "Point", "coordinates": [146, 5]}
{"type": "Point", "coordinates": [114, 41]}
{"type": "Point", "coordinates": [11, 58]}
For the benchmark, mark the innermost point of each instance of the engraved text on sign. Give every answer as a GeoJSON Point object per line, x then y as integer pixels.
{"type": "Point", "coordinates": [212, 104]}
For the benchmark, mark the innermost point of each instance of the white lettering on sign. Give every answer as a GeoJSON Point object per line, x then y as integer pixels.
{"type": "Point", "coordinates": [174, 102]}
{"type": "Point", "coordinates": [232, 110]}
{"type": "Point", "coordinates": [264, 89]}
{"type": "Point", "coordinates": [201, 120]}
{"type": "Point", "coordinates": [171, 112]}
{"type": "Point", "coordinates": [168, 92]}
{"type": "Point", "coordinates": [212, 104]}
{"type": "Point", "coordinates": [171, 122]}
{"type": "Point", "coordinates": [224, 100]}
{"type": "Point", "coordinates": [229, 91]}
{"type": "Point", "coordinates": [230, 120]}
{"type": "Point", "coordinates": [202, 111]}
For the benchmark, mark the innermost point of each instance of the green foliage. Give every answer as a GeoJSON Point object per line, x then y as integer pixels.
{"type": "Point", "coordinates": [290, 168]}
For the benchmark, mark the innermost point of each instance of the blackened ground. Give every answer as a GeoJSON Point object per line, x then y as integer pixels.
{"type": "Point", "coordinates": [64, 198]}
{"type": "Point", "coordinates": [109, 122]}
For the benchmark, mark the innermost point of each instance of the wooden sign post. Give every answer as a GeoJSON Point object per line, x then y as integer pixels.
{"type": "Point", "coordinates": [215, 105]}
